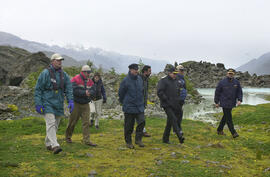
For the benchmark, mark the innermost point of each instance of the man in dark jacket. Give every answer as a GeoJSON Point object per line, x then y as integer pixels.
{"type": "Point", "coordinates": [131, 96]}
{"type": "Point", "coordinates": [98, 99]}
{"type": "Point", "coordinates": [83, 90]}
{"type": "Point", "coordinates": [228, 91]}
{"type": "Point", "coordinates": [146, 72]}
{"type": "Point", "coordinates": [168, 91]}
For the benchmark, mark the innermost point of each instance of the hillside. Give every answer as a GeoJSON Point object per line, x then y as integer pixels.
{"type": "Point", "coordinates": [204, 153]}
{"type": "Point", "coordinates": [258, 66]}
{"type": "Point", "coordinates": [106, 59]}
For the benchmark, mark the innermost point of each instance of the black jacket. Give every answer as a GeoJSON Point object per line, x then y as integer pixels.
{"type": "Point", "coordinates": [100, 90]}
{"type": "Point", "coordinates": [168, 91]}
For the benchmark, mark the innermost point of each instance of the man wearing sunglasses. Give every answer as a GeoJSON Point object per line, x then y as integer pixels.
{"type": "Point", "coordinates": [83, 91]}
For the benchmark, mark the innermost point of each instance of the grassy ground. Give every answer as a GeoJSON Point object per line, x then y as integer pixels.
{"type": "Point", "coordinates": [204, 153]}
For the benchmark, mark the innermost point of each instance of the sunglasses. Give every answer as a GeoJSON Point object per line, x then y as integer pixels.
{"type": "Point", "coordinates": [88, 72]}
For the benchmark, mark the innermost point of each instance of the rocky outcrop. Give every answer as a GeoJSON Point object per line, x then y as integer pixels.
{"type": "Point", "coordinates": [207, 75]}
{"type": "Point", "coordinates": [16, 64]}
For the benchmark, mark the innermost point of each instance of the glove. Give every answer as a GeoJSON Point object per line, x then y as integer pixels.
{"type": "Point", "coordinates": [39, 109]}
{"type": "Point", "coordinates": [71, 105]}
{"type": "Point", "coordinates": [104, 101]}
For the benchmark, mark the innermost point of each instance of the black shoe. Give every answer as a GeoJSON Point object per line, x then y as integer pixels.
{"type": "Point", "coordinates": [181, 139]}
{"type": "Point", "coordinates": [140, 143]}
{"type": "Point", "coordinates": [235, 135]}
{"type": "Point", "coordinates": [167, 142]}
{"type": "Point", "coordinates": [90, 144]}
{"type": "Point", "coordinates": [56, 150]}
{"type": "Point", "coordinates": [220, 132]}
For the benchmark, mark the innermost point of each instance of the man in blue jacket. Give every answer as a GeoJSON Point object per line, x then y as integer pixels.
{"type": "Point", "coordinates": [131, 96]}
{"type": "Point", "coordinates": [228, 94]}
{"type": "Point", "coordinates": [52, 85]}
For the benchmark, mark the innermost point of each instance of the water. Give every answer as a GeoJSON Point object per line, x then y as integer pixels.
{"type": "Point", "coordinates": [204, 110]}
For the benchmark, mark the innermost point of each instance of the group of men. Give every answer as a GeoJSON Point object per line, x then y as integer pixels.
{"type": "Point", "coordinates": [54, 84]}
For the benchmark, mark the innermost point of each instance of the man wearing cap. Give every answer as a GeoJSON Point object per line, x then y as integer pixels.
{"type": "Point", "coordinates": [168, 91]}
{"type": "Point", "coordinates": [145, 74]}
{"type": "Point", "coordinates": [52, 85]}
{"type": "Point", "coordinates": [228, 94]}
{"type": "Point", "coordinates": [83, 90]}
{"type": "Point", "coordinates": [183, 90]}
{"type": "Point", "coordinates": [131, 97]}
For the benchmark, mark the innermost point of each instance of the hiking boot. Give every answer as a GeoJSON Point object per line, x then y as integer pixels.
{"type": "Point", "coordinates": [91, 123]}
{"type": "Point", "coordinates": [140, 143]}
{"type": "Point", "coordinates": [235, 135]}
{"type": "Point", "coordinates": [145, 134]}
{"type": "Point", "coordinates": [49, 148]}
{"type": "Point", "coordinates": [167, 142]}
{"type": "Point", "coordinates": [130, 146]}
{"type": "Point", "coordinates": [181, 139]}
{"type": "Point", "coordinates": [97, 127]}
{"type": "Point", "coordinates": [56, 149]}
{"type": "Point", "coordinates": [90, 144]}
{"type": "Point", "coordinates": [68, 140]}
{"type": "Point", "coordinates": [220, 132]}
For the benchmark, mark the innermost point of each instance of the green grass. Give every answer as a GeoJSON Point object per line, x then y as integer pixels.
{"type": "Point", "coordinates": [204, 153]}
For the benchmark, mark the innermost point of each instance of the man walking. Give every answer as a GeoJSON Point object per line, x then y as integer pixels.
{"type": "Point", "coordinates": [131, 96]}
{"type": "Point", "coordinates": [145, 74]}
{"type": "Point", "coordinates": [83, 90]}
{"type": "Point", "coordinates": [168, 91]}
{"type": "Point", "coordinates": [228, 94]}
{"type": "Point", "coordinates": [52, 85]}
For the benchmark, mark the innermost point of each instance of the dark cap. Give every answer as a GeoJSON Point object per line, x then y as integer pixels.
{"type": "Point", "coordinates": [133, 66]}
{"type": "Point", "coordinates": [170, 69]}
{"type": "Point", "coordinates": [230, 70]}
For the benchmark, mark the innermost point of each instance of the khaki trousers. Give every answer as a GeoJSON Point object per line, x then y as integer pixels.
{"type": "Point", "coordinates": [95, 115]}
{"type": "Point", "coordinates": [52, 123]}
{"type": "Point", "coordinates": [83, 111]}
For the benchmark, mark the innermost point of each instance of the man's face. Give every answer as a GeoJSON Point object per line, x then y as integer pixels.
{"type": "Point", "coordinates": [87, 73]}
{"type": "Point", "coordinates": [57, 64]}
{"type": "Point", "coordinates": [172, 75]}
{"type": "Point", "coordinates": [181, 71]}
{"type": "Point", "coordinates": [133, 72]}
{"type": "Point", "coordinates": [148, 72]}
{"type": "Point", "coordinates": [96, 78]}
{"type": "Point", "coordinates": [230, 75]}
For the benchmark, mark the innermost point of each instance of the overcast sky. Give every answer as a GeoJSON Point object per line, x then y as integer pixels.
{"type": "Point", "coordinates": [228, 31]}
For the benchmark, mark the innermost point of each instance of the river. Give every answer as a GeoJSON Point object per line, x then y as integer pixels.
{"type": "Point", "coordinates": [204, 110]}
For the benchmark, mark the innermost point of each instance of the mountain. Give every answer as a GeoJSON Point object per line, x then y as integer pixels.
{"type": "Point", "coordinates": [258, 66]}
{"type": "Point", "coordinates": [105, 59]}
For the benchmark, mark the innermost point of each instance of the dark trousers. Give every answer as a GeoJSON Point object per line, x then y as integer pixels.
{"type": "Point", "coordinates": [174, 120]}
{"type": "Point", "coordinates": [227, 118]}
{"type": "Point", "coordinates": [129, 125]}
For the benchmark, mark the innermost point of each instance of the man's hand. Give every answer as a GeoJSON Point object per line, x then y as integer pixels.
{"type": "Point", "coordinates": [71, 105]}
{"type": "Point", "coordinates": [217, 105]}
{"type": "Point", "coordinates": [39, 109]}
{"type": "Point", "coordinates": [238, 103]}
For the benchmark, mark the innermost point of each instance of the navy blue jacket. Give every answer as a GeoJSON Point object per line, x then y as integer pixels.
{"type": "Point", "coordinates": [100, 90]}
{"type": "Point", "coordinates": [131, 94]}
{"type": "Point", "coordinates": [227, 92]}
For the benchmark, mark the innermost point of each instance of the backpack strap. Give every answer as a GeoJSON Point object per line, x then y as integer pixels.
{"type": "Point", "coordinates": [53, 79]}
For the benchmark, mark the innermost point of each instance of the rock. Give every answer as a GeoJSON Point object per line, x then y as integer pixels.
{"type": "Point", "coordinates": [226, 167]}
{"type": "Point", "coordinates": [92, 173]}
{"type": "Point", "coordinates": [263, 122]}
{"type": "Point", "coordinates": [159, 162]}
{"type": "Point", "coordinates": [173, 154]}
{"type": "Point", "coordinates": [267, 169]}
{"type": "Point", "coordinates": [89, 155]}
{"type": "Point", "coordinates": [185, 161]}
{"type": "Point", "coordinates": [212, 162]}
